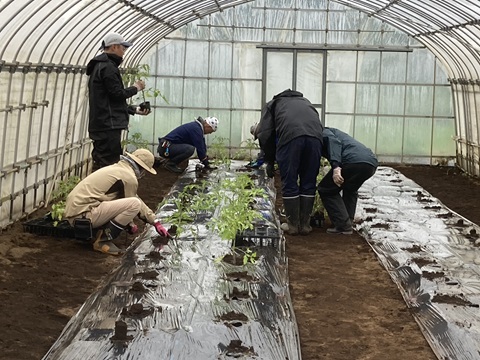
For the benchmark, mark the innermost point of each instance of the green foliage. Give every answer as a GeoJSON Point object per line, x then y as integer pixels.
{"type": "Point", "coordinates": [246, 149]}
{"type": "Point", "coordinates": [57, 212]}
{"type": "Point", "coordinates": [237, 213]}
{"type": "Point", "coordinates": [218, 150]}
{"type": "Point", "coordinates": [191, 202]}
{"type": "Point", "coordinates": [59, 196]}
{"type": "Point", "coordinates": [249, 257]}
{"type": "Point", "coordinates": [141, 72]}
{"type": "Point", "coordinates": [136, 141]}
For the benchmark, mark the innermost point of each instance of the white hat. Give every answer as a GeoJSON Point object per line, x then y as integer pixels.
{"type": "Point", "coordinates": [144, 158]}
{"type": "Point", "coordinates": [213, 122]}
{"type": "Point", "coordinates": [114, 39]}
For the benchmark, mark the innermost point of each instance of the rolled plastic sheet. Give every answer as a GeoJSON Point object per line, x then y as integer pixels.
{"type": "Point", "coordinates": [178, 299]}
{"type": "Point", "coordinates": [432, 254]}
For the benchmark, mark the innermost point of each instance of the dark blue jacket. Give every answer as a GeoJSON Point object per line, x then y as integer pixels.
{"type": "Point", "coordinates": [107, 95]}
{"type": "Point", "coordinates": [190, 133]}
{"type": "Point", "coordinates": [340, 148]}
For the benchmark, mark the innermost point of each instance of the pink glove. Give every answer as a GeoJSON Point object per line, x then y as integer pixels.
{"type": "Point", "coordinates": [337, 176]}
{"type": "Point", "coordinates": [161, 230]}
{"type": "Point", "coordinates": [132, 228]}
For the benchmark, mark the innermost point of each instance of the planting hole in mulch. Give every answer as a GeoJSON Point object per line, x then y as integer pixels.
{"type": "Point", "coordinates": [236, 349]}
{"type": "Point", "coordinates": [421, 262]}
{"type": "Point", "coordinates": [121, 332]}
{"type": "Point", "coordinates": [414, 249]}
{"type": "Point", "coordinates": [138, 287]}
{"type": "Point", "coordinates": [453, 300]}
{"type": "Point", "coordinates": [147, 275]}
{"type": "Point", "coordinates": [432, 275]}
{"type": "Point", "coordinates": [240, 276]}
{"type": "Point", "coordinates": [137, 311]}
{"type": "Point", "coordinates": [162, 240]}
{"type": "Point", "coordinates": [233, 259]}
{"type": "Point", "coordinates": [237, 294]}
{"type": "Point", "coordinates": [155, 256]}
{"type": "Point", "coordinates": [233, 319]}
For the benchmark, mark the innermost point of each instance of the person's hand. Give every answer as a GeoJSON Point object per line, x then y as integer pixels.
{"type": "Point", "coordinates": [140, 111]}
{"type": "Point", "coordinates": [207, 165]}
{"type": "Point", "coordinates": [132, 228]}
{"type": "Point", "coordinates": [254, 164]}
{"type": "Point", "coordinates": [337, 176]}
{"type": "Point", "coordinates": [161, 230]}
{"type": "Point", "coordinates": [270, 169]}
{"type": "Point", "coordinates": [139, 84]}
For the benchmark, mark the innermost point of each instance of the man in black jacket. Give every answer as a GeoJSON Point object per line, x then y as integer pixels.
{"type": "Point", "coordinates": [109, 111]}
{"type": "Point", "coordinates": [290, 132]}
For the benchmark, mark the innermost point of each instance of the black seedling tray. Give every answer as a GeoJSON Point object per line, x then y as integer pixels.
{"type": "Point", "coordinates": [45, 226]}
{"type": "Point", "coordinates": [260, 235]}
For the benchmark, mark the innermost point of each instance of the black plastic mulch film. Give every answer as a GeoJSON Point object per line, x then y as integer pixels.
{"type": "Point", "coordinates": [176, 301]}
{"type": "Point", "coordinates": [432, 254]}
{"type": "Point", "coordinates": [182, 300]}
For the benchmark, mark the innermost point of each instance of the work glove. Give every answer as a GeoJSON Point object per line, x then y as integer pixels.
{"type": "Point", "coordinates": [270, 169]}
{"type": "Point", "coordinates": [132, 228]}
{"type": "Point", "coordinates": [207, 165]}
{"type": "Point", "coordinates": [337, 176]}
{"type": "Point", "coordinates": [254, 164]}
{"type": "Point", "coordinates": [161, 230]}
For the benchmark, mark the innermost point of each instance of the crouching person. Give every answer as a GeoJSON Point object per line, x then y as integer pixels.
{"type": "Point", "coordinates": [108, 197]}
{"type": "Point", "coordinates": [352, 164]}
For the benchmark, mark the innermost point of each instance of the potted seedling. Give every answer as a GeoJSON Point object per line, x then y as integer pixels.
{"type": "Point", "coordinates": [59, 196]}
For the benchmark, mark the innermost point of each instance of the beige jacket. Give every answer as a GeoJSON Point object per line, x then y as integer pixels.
{"type": "Point", "coordinates": [112, 182]}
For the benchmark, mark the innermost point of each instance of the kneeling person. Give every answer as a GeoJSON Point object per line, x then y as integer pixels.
{"type": "Point", "coordinates": [108, 197]}
{"type": "Point", "coordinates": [180, 143]}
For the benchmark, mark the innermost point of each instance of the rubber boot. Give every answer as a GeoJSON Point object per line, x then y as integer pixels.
{"type": "Point", "coordinates": [103, 242]}
{"type": "Point", "coordinates": [306, 207]}
{"type": "Point", "coordinates": [292, 211]}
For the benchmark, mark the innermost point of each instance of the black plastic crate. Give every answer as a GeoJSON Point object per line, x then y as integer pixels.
{"type": "Point", "coordinates": [45, 226]}
{"type": "Point", "coordinates": [260, 235]}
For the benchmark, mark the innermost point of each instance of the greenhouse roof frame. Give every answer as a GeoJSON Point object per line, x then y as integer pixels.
{"type": "Point", "coordinates": [68, 32]}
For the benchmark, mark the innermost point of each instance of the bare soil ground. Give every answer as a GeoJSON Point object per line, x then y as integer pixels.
{"type": "Point", "coordinates": [346, 305]}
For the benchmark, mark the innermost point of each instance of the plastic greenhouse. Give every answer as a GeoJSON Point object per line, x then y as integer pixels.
{"type": "Point", "coordinates": [401, 76]}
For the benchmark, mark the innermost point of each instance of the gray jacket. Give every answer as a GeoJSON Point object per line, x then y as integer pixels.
{"type": "Point", "coordinates": [340, 148]}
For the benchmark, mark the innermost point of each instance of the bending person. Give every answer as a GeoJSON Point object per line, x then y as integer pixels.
{"type": "Point", "coordinates": [108, 197]}
{"type": "Point", "coordinates": [352, 164]}
{"type": "Point", "coordinates": [290, 132]}
{"type": "Point", "coordinates": [180, 143]}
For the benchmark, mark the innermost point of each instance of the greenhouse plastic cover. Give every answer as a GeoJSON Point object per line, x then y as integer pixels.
{"type": "Point", "coordinates": [177, 301]}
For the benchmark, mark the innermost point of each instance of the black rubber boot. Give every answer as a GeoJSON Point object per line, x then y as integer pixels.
{"type": "Point", "coordinates": [306, 207]}
{"type": "Point", "coordinates": [103, 242]}
{"type": "Point", "coordinates": [292, 211]}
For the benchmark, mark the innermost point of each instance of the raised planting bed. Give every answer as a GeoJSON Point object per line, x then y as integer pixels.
{"type": "Point", "coordinates": [432, 254]}
{"type": "Point", "coordinates": [197, 296]}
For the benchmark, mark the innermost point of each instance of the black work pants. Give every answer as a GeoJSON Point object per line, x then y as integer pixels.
{"type": "Point", "coordinates": [299, 163]}
{"type": "Point", "coordinates": [107, 147]}
{"type": "Point", "coordinates": [176, 153]}
{"type": "Point", "coordinates": [341, 208]}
